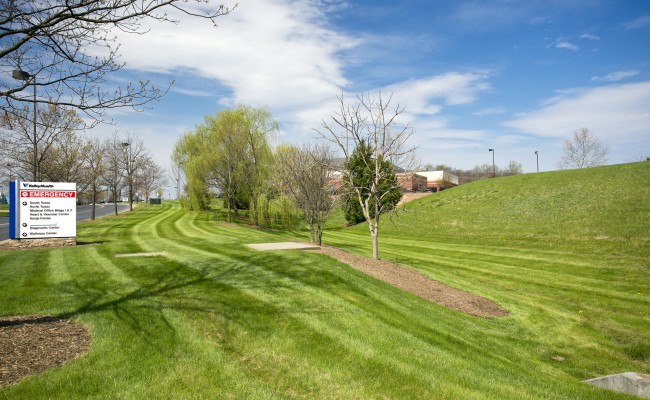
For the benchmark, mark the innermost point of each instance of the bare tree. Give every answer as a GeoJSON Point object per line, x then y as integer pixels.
{"type": "Point", "coordinates": [94, 160]}
{"type": "Point", "coordinates": [28, 145]}
{"type": "Point", "coordinates": [113, 172]}
{"type": "Point", "coordinates": [513, 168]}
{"type": "Point", "coordinates": [304, 173]}
{"type": "Point", "coordinates": [371, 121]}
{"type": "Point", "coordinates": [65, 160]}
{"type": "Point", "coordinates": [134, 155]}
{"type": "Point", "coordinates": [584, 150]}
{"type": "Point", "coordinates": [66, 49]}
{"type": "Point", "coordinates": [150, 177]}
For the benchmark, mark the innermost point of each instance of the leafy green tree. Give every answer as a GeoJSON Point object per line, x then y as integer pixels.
{"type": "Point", "coordinates": [358, 175]}
{"type": "Point", "coordinates": [256, 158]}
{"type": "Point", "coordinates": [189, 157]}
{"type": "Point", "coordinates": [230, 154]}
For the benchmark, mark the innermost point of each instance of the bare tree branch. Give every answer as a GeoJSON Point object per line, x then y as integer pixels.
{"type": "Point", "coordinates": [51, 40]}
{"type": "Point", "coordinates": [373, 122]}
{"type": "Point", "coordinates": [584, 150]}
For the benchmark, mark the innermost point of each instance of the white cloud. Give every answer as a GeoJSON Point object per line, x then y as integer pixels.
{"type": "Point", "coordinates": [564, 44]}
{"type": "Point", "coordinates": [588, 36]}
{"type": "Point", "coordinates": [615, 76]}
{"type": "Point", "coordinates": [424, 101]}
{"type": "Point", "coordinates": [617, 113]}
{"type": "Point", "coordinates": [267, 53]}
{"type": "Point", "coordinates": [452, 88]}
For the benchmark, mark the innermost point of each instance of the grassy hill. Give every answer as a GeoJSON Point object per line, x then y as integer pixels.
{"type": "Point", "coordinates": [215, 319]}
{"type": "Point", "coordinates": [605, 208]}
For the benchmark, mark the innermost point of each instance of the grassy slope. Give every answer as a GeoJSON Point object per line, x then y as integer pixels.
{"type": "Point", "coordinates": [216, 320]}
{"type": "Point", "coordinates": [567, 252]}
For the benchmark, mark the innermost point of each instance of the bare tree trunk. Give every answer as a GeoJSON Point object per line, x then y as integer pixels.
{"type": "Point", "coordinates": [312, 229]}
{"type": "Point", "coordinates": [229, 203]}
{"type": "Point", "coordinates": [319, 233]}
{"type": "Point", "coordinates": [94, 191]}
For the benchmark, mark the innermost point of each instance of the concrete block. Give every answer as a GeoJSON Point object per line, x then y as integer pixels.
{"type": "Point", "coordinates": [628, 382]}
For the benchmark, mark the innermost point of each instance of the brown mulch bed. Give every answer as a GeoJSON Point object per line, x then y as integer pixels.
{"type": "Point", "coordinates": [414, 282]}
{"type": "Point", "coordinates": [31, 344]}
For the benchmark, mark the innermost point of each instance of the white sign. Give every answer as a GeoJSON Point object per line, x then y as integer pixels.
{"type": "Point", "coordinates": [47, 210]}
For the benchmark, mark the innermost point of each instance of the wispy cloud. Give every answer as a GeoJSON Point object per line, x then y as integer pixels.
{"type": "Point", "coordinates": [565, 44]}
{"type": "Point", "coordinates": [192, 92]}
{"type": "Point", "coordinates": [638, 23]}
{"type": "Point", "coordinates": [333, 5]}
{"type": "Point", "coordinates": [616, 112]}
{"type": "Point", "coordinates": [589, 36]}
{"type": "Point", "coordinates": [615, 76]}
{"type": "Point", "coordinates": [453, 88]}
{"type": "Point", "coordinates": [263, 51]}
{"type": "Point", "coordinates": [490, 111]}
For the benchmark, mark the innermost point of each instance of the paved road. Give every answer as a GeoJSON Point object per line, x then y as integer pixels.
{"type": "Point", "coordinates": [83, 214]}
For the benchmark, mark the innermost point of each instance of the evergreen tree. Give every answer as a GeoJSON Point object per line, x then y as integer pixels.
{"type": "Point", "coordinates": [361, 170]}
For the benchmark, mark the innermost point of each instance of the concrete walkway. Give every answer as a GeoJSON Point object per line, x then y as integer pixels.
{"type": "Point", "coordinates": [283, 246]}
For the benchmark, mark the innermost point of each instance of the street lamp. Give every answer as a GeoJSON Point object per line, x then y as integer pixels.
{"type": "Point", "coordinates": [494, 169]}
{"type": "Point", "coordinates": [25, 76]}
{"type": "Point", "coordinates": [128, 174]}
{"type": "Point", "coordinates": [537, 156]}
{"type": "Point", "coordinates": [10, 166]}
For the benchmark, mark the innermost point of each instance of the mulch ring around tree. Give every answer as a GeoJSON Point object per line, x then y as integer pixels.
{"type": "Point", "coordinates": [31, 344]}
{"type": "Point", "coordinates": [416, 283]}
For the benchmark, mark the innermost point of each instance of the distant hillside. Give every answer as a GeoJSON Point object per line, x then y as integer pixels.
{"type": "Point", "coordinates": [609, 206]}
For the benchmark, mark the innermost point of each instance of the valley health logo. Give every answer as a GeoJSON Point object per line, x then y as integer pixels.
{"type": "Point", "coordinates": [41, 210]}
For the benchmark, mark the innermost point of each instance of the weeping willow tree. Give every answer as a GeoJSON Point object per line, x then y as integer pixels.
{"type": "Point", "coordinates": [228, 154]}
{"type": "Point", "coordinates": [190, 158]}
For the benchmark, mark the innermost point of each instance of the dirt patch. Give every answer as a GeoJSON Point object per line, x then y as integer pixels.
{"type": "Point", "coordinates": [414, 282]}
{"type": "Point", "coordinates": [410, 196]}
{"type": "Point", "coordinates": [31, 344]}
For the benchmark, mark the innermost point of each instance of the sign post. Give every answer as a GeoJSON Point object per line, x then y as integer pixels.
{"type": "Point", "coordinates": [42, 210]}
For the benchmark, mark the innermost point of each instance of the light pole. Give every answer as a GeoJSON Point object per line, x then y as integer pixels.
{"type": "Point", "coordinates": [129, 173]}
{"type": "Point", "coordinates": [494, 169]}
{"type": "Point", "coordinates": [25, 76]}
{"type": "Point", "coordinates": [537, 156]}
{"type": "Point", "coordinates": [10, 166]}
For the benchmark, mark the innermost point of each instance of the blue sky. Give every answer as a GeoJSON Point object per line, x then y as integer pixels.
{"type": "Point", "coordinates": [516, 76]}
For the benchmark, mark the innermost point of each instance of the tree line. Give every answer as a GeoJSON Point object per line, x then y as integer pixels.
{"type": "Point", "coordinates": [59, 151]}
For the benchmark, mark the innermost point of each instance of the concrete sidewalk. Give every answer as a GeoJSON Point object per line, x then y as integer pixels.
{"type": "Point", "coordinates": [283, 246]}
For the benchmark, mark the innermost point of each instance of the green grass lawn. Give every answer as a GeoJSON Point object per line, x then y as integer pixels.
{"type": "Point", "coordinates": [567, 253]}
